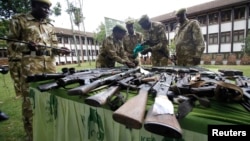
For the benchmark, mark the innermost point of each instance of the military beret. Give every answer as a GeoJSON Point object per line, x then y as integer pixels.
{"type": "Point", "coordinates": [130, 21]}
{"type": "Point", "coordinates": [181, 11]}
{"type": "Point", "coordinates": [119, 28]}
{"type": "Point", "coordinates": [143, 19]}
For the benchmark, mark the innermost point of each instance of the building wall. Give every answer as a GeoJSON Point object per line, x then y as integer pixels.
{"type": "Point", "coordinates": [79, 50]}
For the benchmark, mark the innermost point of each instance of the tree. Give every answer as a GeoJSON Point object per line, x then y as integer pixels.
{"type": "Point", "coordinates": [246, 46]}
{"type": "Point", "coordinates": [11, 7]}
{"type": "Point", "coordinates": [100, 35]}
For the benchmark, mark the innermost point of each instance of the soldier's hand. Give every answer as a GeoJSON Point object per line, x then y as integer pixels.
{"type": "Point", "coordinates": [64, 51]}
{"type": "Point", "coordinates": [130, 64]}
{"type": "Point", "coordinates": [196, 60]}
{"type": "Point", "coordinates": [145, 43]}
{"type": "Point", "coordinates": [32, 46]}
{"type": "Point", "coordinates": [145, 51]}
{"type": "Point", "coordinates": [173, 57]}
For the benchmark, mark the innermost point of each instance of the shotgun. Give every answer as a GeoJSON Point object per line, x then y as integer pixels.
{"type": "Point", "coordinates": [82, 90]}
{"type": "Point", "coordinates": [160, 118]}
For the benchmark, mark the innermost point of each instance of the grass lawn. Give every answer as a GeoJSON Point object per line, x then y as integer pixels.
{"type": "Point", "coordinates": [12, 129]}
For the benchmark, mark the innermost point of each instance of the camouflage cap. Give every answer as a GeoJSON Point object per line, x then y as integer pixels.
{"type": "Point", "coordinates": [43, 1]}
{"type": "Point", "coordinates": [119, 28]}
{"type": "Point", "coordinates": [130, 21]}
{"type": "Point", "coordinates": [143, 19]}
{"type": "Point", "coordinates": [181, 11]}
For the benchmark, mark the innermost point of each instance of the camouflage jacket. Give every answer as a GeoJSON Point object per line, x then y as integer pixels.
{"type": "Point", "coordinates": [157, 34]}
{"type": "Point", "coordinates": [130, 42]}
{"type": "Point", "coordinates": [25, 27]}
{"type": "Point", "coordinates": [189, 39]}
{"type": "Point", "coordinates": [111, 51]}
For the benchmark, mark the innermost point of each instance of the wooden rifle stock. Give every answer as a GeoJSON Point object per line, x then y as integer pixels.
{"type": "Point", "coordinates": [131, 114]}
{"type": "Point", "coordinates": [101, 98]}
{"type": "Point", "coordinates": [160, 118]}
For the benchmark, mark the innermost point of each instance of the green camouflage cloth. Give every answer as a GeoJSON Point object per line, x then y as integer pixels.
{"type": "Point", "coordinates": [157, 34]}
{"type": "Point", "coordinates": [130, 42]}
{"type": "Point", "coordinates": [25, 27]}
{"type": "Point", "coordinates": [111, 51]}
{"type": "Point", "coordinates": [14, 61]}
{"type": "Point", "coordinates": [15, 73]}
{"type": "Point", "coordinates": [189, 42]}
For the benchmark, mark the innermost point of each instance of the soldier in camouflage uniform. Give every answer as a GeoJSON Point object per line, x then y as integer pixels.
{"type": "Point", "coordinates": [112, 50]}
{"type": "Point", "coordinates": [131, 40]}
{"type": "Point", "coordinates": [35, 29]}
{"type": "Point", "coordinates": [188, 39]}
{"type": "Point", "coordinates": [155, 33]}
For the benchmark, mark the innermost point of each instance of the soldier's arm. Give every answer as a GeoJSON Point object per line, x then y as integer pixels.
{"type": "Point", "coordinates": [110, 51]}
{"type": "Point", "coordinates": [162, 39]}
{"type": "Point", "coordinates": [198, 39]}
{"type": "Point", "coordinates": [15, 34]}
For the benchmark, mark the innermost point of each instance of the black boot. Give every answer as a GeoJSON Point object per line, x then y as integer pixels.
{"type": "Point", "coordinates": [3, 116]}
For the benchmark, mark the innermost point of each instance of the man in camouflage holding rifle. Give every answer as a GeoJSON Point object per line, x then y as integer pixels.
{"type": "Point", "coordinates": [38, 54]}
{"type": "Point", "coordinates": [156, 39]}
{"type": "Point", "coordinates": [188, 40]}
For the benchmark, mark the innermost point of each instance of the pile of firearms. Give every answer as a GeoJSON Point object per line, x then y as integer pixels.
{"type": "Point", "coordinates": [167, 85]}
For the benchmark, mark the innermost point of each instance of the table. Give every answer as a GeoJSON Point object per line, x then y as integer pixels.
{"type": "Point", "coordinates": [59, 117]}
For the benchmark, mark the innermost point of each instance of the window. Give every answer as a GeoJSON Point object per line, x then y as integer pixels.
{"type": "Point", "coordinates": [202, 20]}
{"type": "Point", "coordinates": [226, 16]}
{"type": "Point", "coordinates": [248, 11]}
{"type": "Point", "coordinates": [71, 40]}
{"type": "Point", "coordinates": [172, 26]}
{"type": "Point", "coordinates": [205, 38]}
{"type": "Point", "coordinates": [73, 52]}
{"type": "Point", "coordinates": [59, 39]}
{"type": "Point", "coordinates": [213, 18]}
{"type": "Point", "coordinates": [225, 37]}
{"type": "Point", "coordinates": [238, 36]}
{"type": "Point", "coordinates": [213, 38]}
{"type": "Point", "coordinates": [239, 13]}
{"type": "Point", "coordinates": [66, 41]}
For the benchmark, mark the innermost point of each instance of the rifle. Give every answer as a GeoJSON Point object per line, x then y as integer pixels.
{"type": "Point", "coordinates": [82, 77]}
{"type": "Point", "coordinates": [160, 118]}
{"type": "Point", "coordinates": [132, 112]}
{"type": "Point", "coordinates": [101, 98]}
{"type": "Point", "coordinates": [43, 46]}
{"type": "Point", "coordinates": [243, 82]}
{"type": "Point", "coordinates": [49, 76]}
{"type": "Point", "coordinates": [82, 90]}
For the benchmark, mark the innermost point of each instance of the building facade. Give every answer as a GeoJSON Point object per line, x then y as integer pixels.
{"type": "Point", "coordinates": [85, 49]}
{"type": "Point", "coordinates": [224, 23]}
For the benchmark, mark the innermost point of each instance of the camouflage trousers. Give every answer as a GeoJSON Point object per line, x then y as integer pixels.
{"type": "Point", "coordinates": [32, 65]}
{"type": "Point", "coordinates": [159, 61]}
{"type": "Point", "coordinates": [15, 73]}
{"type": "Point", "coordinates": [185, 61]}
